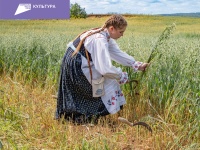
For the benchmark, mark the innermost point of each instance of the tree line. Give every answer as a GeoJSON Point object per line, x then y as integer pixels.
{"type": "Point", "coordinates": [77, 12]}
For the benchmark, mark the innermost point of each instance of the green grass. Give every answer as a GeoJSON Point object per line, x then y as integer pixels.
{"type": "Point", "coordinates": [168, 96]}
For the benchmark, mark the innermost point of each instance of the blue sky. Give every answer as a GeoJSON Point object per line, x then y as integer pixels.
{"type": "Point", "coordinates": [139, 6]}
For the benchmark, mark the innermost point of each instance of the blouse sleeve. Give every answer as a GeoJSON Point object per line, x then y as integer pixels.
{"type": "Point", "coordinates": [101, 58]}
{"type": "Point", "coordinates": [121, 57]}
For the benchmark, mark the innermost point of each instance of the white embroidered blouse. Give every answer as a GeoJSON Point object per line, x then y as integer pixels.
{"type": "Point", "coordinates": [103, 50]}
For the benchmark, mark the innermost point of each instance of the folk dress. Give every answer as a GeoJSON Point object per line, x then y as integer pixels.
{"type": "Point", "coordinates": [75, 101]}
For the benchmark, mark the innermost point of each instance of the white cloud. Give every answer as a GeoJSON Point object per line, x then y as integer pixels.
{"type": "Point", "coordinates": [138, 7]}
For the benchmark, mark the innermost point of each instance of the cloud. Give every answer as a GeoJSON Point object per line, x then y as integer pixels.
{"type": "Point", "coordinates": [138, 7]}
{"type": "Point", "coordinates": [113, 1]}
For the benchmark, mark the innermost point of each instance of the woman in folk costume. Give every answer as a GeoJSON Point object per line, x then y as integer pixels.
{"type": "Point", "coordinates": [88, 59]}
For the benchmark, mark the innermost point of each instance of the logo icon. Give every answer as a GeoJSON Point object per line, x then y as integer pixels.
{"type": "Point", "coordinates": [22, 8]}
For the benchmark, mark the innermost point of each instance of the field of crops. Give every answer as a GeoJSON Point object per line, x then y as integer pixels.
{"type": "Point", "coordinates": [167, 96]}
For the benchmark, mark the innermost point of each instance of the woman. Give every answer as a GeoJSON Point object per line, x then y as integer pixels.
{"type": "Point", "coordinates": [89, 57]}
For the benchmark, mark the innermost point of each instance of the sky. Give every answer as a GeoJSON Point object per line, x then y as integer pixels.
{"type": "Point", "coordinates": [139, 6]}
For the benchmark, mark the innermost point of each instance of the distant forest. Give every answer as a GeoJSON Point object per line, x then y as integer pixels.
{"type": "Point", "coordinates": [175, 14]}
{"type": "Point", "coordinates": [183, 14]}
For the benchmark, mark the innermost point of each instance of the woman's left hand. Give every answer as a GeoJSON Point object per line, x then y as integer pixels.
{"type": "Point", "coordinates": [124, 78]}
{"type": "Point", "coordinates": [143, 66]}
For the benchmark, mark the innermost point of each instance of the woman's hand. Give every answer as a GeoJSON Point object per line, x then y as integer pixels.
{"type": "Point", "coordinates": [139, 66]}
{"type": "Point", "coordinates": [143, 66]}
{"type": "Point", "coordinates": [124, 78]}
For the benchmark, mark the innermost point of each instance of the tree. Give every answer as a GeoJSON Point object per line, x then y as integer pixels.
{"type": "Point", "coordinates": [77, 12]}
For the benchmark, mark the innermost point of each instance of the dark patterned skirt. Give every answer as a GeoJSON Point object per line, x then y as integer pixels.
{"type": "Point", "coordinates": [75, 101]}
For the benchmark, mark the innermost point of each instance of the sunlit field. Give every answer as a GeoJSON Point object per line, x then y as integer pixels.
{"type": "Point", "coordinates": [167, 95]}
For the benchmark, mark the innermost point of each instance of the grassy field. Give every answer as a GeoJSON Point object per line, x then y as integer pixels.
{"type": "Point", "coordinates": [167, 96]}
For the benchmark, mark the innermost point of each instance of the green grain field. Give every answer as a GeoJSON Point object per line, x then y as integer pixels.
{"type": "Point", "coordinates": [167, 95]}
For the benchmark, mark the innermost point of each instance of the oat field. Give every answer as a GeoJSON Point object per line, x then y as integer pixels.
{"type": "Point", "coordinates": [167, 95]}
